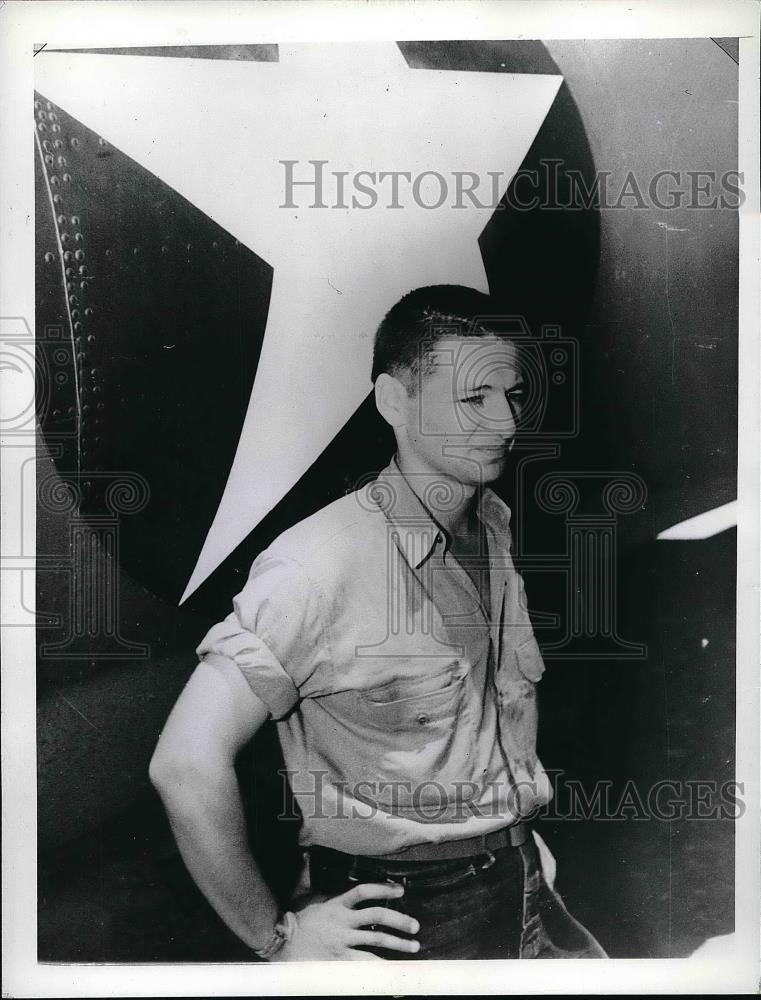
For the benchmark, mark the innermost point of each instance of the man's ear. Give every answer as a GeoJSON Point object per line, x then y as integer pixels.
{"type": "Point", "coordinates": [391, 398]}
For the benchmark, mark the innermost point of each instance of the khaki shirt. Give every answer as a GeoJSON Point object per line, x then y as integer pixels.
{"type": "Point", "coordinates": [405, 709]}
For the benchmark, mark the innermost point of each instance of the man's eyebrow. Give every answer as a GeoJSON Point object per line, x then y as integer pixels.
{"type": "Point", "coordinates": [486, 386]}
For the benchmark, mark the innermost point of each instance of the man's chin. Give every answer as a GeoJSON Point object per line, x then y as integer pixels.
{"type": "Point", "coordinates": [491, 458]}
{"type": "Point", "coordinates": [475, 466]}
{"type": "Point", "coordinates": [489, 462]}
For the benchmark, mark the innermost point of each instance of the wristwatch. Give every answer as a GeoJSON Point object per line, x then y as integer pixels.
{"type": "Point", "coordinates": [281, 932]}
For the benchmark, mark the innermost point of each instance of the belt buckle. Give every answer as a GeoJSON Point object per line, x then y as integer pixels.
{"type": "Point", "coordinates": [485, 865]}
{"type": "Point", "coordinates": [490, 860]}
{"type": "Point", "coordinates": [489, 854]}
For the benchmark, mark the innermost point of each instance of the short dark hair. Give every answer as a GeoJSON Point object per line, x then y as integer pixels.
{"type": "Point", "coordinates": [419, 319]}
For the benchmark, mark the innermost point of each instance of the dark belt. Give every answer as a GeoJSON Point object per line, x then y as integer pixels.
{"type": "Point", "coordinates": [508, 836]}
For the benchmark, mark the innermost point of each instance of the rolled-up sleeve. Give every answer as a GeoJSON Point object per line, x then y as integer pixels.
{"type": "Point", "coordinates": [275, 635]}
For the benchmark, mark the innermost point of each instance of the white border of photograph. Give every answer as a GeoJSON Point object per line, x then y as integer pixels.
{"type": "Point", "coordinates": [732, 966]}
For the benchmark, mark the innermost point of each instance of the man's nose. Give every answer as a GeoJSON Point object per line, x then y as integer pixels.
{"type": "Point", "coordinates": [501, 418]}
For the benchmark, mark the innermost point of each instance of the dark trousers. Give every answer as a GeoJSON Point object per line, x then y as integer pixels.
{"type": "Point", "coordinates": [494, 905]}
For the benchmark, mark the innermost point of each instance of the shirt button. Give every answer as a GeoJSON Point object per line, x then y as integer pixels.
{"type": "Point", "coordinates": [423, 719]}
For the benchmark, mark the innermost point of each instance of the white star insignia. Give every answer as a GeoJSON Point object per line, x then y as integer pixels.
{"type": "Point", "coordinates": [218, 131]}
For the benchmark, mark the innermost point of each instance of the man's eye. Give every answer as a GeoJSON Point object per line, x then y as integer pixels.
{"type": "Point", "coordinates": [476, 400]}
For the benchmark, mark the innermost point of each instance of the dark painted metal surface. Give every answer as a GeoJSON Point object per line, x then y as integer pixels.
{"type": "Point", "coordinates": [152, 317]}
{"type": "Point", "coordinates": [177, 334]}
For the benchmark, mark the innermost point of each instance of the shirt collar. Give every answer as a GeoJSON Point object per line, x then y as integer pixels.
{"type": "Point", "coordinates": [418, 532]}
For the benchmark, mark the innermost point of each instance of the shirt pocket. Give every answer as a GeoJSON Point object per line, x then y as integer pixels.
{"type": "Point", "coordinates": [418, 742]}
{"type": "Point", "coordinates": [410, 704]}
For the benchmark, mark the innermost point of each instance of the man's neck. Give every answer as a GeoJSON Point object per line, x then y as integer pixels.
{"type": "Point", "coordinates": [451, 502]}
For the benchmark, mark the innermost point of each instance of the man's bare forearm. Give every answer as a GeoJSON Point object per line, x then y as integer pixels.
{"type": "Point", "coordinates": [206, 815]}
{"type": "Point", "coordinates": [193, 769]}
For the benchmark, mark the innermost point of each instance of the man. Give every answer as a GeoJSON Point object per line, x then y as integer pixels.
{"type": "Point", "coordinates": [387, 635]}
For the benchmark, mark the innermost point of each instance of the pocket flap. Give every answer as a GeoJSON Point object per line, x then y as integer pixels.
{"type": "Point", "coordinates": [409, 704]}
{"type": "Point", "coordinates": [529, 659]}
{"type": "Point", "coordinates": [403, 688]}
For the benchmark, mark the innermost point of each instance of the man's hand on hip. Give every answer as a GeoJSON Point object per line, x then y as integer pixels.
{"type": "Point", "coordinates": [334, 929]}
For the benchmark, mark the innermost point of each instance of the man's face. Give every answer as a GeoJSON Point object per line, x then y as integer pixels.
{"type": "Point", "coordinates": [464, 415]}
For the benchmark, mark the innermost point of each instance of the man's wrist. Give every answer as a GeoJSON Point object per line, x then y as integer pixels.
{"type": "Point", "coordinates": [285, 925]}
